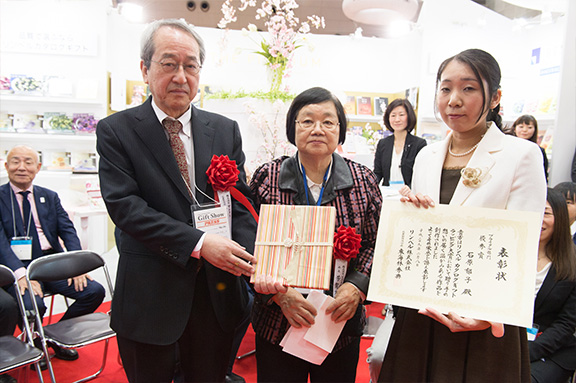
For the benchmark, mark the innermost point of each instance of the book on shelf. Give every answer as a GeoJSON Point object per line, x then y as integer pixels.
{"type": "Point", "coordinates": [6, 123]}
{"type": "Point", "coordinates": [380, 105]}
{"type": "Point", "coordinates": [350, 105]}
{"type": "Point", "coordinates": [364, 106]}
{"type": "Point", "coordinates": [27, 123]}
{"type": "Point", "coordinates": [84, 122]}
{"type": "Point", "coordinates": [57, 122]}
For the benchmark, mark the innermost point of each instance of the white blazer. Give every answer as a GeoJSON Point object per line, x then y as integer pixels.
{"type": "Point", "coordinates": [515, 179]}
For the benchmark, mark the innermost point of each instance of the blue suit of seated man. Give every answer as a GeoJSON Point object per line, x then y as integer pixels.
{"type": "Point", "coordinates": [48, 224]}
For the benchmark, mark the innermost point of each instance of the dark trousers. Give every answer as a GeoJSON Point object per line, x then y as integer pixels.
{"type": "Point", "coordinates": [202, 351]}
{"type": "Point", "coordinates": [274, 365]}
{"type": "Point", "coordinates": [548, 371]}
{"type": "Point", "coordinates": [85, 301]}
{"type": "Point", "coordinates": [8, 313]}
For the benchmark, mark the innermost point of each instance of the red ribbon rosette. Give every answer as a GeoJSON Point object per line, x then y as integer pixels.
{"type": "Point", "coordinates": [347, 243]}
{"type": "Point", "coordinates": [223, 175]}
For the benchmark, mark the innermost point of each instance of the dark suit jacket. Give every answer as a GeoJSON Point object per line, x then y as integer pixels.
{"type": "Point", "coordinates": [383, 158]}
{"type": "Point", "coordinates": [555, 314]}
{"type": "Point", "coordinates": [147, 199]}
{"type": "Point", "coordinates": [53, 219]}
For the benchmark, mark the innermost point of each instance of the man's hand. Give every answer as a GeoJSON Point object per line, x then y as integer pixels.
{"type": "Point", "coordinates": [80, 281]}
{"type": "Point", "coordinates": [295, 308]}
{"type": "Point", "coordinates": [227, 255]}
{"type": "Point", "coordinates": [345, 303]}
{"type": "Point", "coordinates": [36, 289]}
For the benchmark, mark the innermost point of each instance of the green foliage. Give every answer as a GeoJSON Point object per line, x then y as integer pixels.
{"type": "Point", "coordinates": [273, 95]}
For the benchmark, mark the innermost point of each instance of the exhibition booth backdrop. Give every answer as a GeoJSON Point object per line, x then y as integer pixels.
{"type": "Point", "coordinates": [65, 65]}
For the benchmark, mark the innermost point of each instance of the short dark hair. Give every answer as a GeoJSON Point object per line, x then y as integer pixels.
{"type": "Point", "coordinates": [409, 111]}
{"type": "Point", "coordinates": [568, 190]}
{"type": "Point", "coordinates": [148, 48]}
{"type": "Point", "coordinates": [312, 96]}
{"type": "Point", "coordinates": [485, 67]}
{"type": "Point", "coordinates": [527, 120]}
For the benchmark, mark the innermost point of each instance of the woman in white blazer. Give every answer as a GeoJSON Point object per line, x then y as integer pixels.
{"type": "Point", "coordinates": [476, 165]}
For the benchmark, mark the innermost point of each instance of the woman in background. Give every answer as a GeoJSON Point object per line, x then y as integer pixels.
{"type": "Point", "coordinates": [568, 190]}
{"type": "Point", "coordinates": [526, 127]}
{"type": "Point", "coordinates": [426, 345]}
{"type": "Point", "coordinates": [553, 352]}
{"type": "Point", "coordinates": [396, 153]}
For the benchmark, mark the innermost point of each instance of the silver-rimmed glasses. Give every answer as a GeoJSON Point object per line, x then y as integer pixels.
{"type": "Point", "coordinates": [310, 124]}
{"type": "Point", "coordinates": [171, 67]}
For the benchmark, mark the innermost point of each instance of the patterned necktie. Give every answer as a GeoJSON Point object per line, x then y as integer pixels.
{"type": "Point", "coordinates": [36, 249]}
{"type": "Point", "coordinates": [173, 127]}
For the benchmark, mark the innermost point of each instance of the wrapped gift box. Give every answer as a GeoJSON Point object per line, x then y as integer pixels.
{"type": "Point", "coordinates": [295, 243]}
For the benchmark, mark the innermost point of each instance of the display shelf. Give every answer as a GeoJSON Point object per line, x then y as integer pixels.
{"type": "Point", "coordinates": [363, 117]}
{"type": "Point", "coordinates": [10, 104]}
{"type": "Point", "coordinates": [79, 142]}
{"type": "Point", "coordinates": [47, 99]}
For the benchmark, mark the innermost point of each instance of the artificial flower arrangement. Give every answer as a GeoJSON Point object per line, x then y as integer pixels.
{"type": "Point", "coordinates": [283, 28]}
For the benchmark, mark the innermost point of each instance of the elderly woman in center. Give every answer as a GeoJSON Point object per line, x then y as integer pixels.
{"type": "Point", "coordinates": [316, 175]}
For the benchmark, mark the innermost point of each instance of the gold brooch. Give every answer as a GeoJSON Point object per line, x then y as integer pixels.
{"type": "Point", "coordinates": [473, 177]}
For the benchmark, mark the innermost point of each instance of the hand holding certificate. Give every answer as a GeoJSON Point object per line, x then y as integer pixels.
{"type": "Point", "coordinates": [478, 262]}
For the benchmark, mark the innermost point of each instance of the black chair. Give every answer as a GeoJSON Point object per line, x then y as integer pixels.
{"type": "Point", "coordinates": [51, 310]}
{"type": "Point", "coordinates": [15, 352]}
{"type": "Point", "coordinates": [75, 332]}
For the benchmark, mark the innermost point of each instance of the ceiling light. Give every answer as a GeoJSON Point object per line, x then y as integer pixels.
{"type": "Point", "coordinates": [380, 12]}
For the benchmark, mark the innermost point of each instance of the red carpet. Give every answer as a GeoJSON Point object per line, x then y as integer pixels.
{"type": "Point", "coordinates": [91, 357]}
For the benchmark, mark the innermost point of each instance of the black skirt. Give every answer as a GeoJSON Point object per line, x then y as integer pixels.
{"type": "Point", "coordinates": [423, 350]}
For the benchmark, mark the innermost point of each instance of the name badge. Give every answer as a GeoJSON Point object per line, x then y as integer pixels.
{"type": "Point", "coordinates": [213, 220]}
{"type": "Point", "coordinates": [532, 332]}
{"type": "Point", "coordinates": [22, 247]}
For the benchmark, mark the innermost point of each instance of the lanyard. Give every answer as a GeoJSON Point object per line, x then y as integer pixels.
{"type": "Point", "coordinates": [319, 202]}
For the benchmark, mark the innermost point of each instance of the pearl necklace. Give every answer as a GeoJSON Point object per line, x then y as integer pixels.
{"type": "Point", "coordinates": [462, 154]}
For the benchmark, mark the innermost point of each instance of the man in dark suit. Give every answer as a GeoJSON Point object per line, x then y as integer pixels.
{"type": "Point", "coordinates": [34, 212]}
{"type": "Point", "coordinates": [179, 293]}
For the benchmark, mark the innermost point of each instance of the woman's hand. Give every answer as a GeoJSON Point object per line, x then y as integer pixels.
{"type": "Point", "coordinates": [266, 284]}
{"type": "Point", "coordinates": [418, 199]}
{"type": "Point", "coordinates": [457, 323]}
{"type": "Point", "coordinates": [295, 308]}
{"type": "Point", "coordinates": [345, 303]}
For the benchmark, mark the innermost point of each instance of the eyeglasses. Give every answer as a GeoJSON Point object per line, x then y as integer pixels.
{"type": "Point", "coordinates": [326, 124]}
{"type": "Point", "coordinates": [171, 67]}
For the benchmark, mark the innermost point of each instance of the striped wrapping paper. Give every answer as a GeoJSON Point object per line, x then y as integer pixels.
{"type": "Point", "coordinates": [294, 243]}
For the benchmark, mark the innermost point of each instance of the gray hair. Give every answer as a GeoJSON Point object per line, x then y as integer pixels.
{"type": "Point", "coordinates": [147, 47]}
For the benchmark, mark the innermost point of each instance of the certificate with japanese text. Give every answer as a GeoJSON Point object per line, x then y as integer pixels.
{"type": "Point", "coordinates": [477, 262]}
